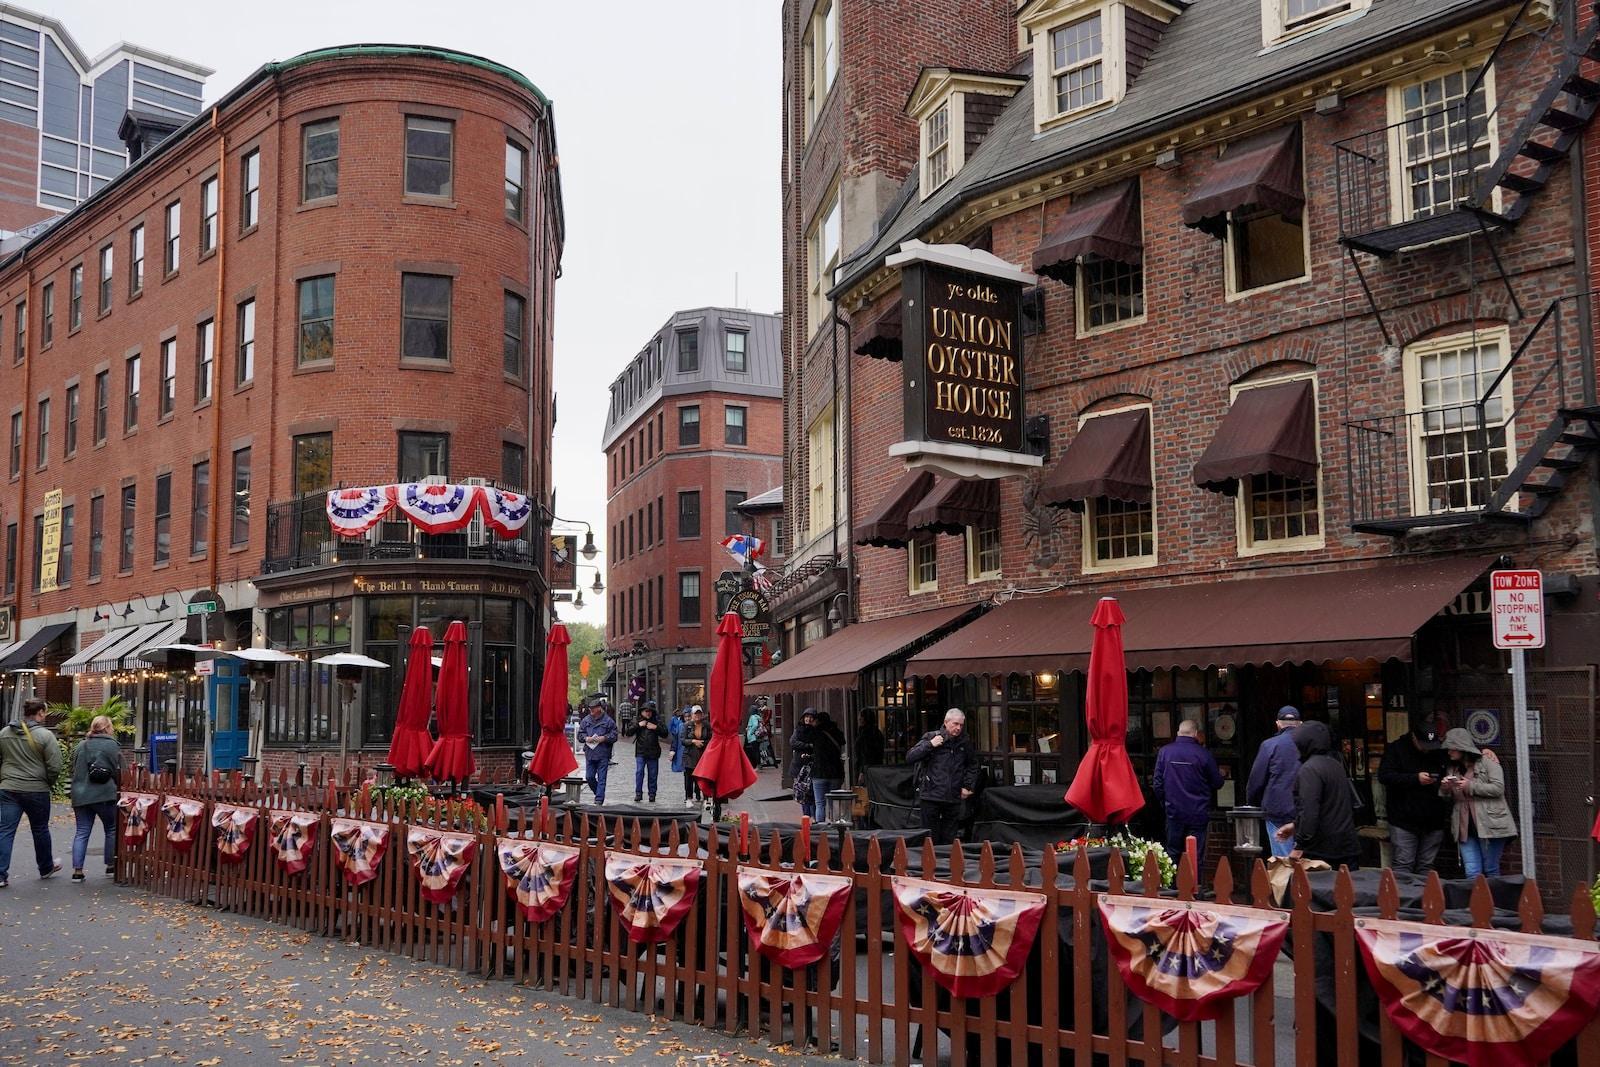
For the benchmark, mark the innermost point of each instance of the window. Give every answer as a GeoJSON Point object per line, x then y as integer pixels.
{"type": "Point", "coordinates": [688, 425]}
{"type": "Point", "coordinates": [733, 430]}
{"type": "Point", "coordinates": [107, 258]}
{"type": "Point", "coordinates": [936, 148]}
{"type": "Point", "coordinates": [97, 535]}
{"type": "Point", "coordinates": [174, 224]}
{"type": "Point", "coordinates": [130, 396]}
{"type": "Point", "coordinates": [983, 552]}
{"type": "Point", "coordinates": [319, 155]}
{"type": "Point", "coordinates": [75, 297]}
{"type": "Point", "coordinates": [1287, 17]}
{"type": "Point", "coordinates": [16, 444]}
{"type": "Point", "coordinates": [168, 397]}
{"type": "Point", "coordinates": [688, 351]}
{"type": "Point", "coordinates": [513, 462]}
{"type": "Point", "coordinates": [1077, 67]}
{"type": "Point", "coordinates": [136, 260]}
{"type": "Point", "coordinates": [1121, 532]}
{"type": "Point", "coordinates": [1280, 511]}
{"type": "Point", "coordinates": [20, 324]}
{"type": "Point", "coordinates": [516, 312]}
{"type": "Point", "coordinates": [661, 518]}
{"type": "Point", "coordinates": [734, 356]}
{"type": "Point", "coordinates": [38, 552]}
{"type": "Point", "coordinates": [428, 145]}
{"type": "Point", "coordinates": [200, 508]}
{"type": "Point", "coordinates": [130, 507]}
{"type": "Point", "coordinates": [689, 514]}
{"type": "Point", "coordinates": [424, 455]}
{"type": "Point", "coordinates": [250, 189]}
{"type": "Point", "coordinates": [821, 464]}
{"type": "Point", "coordinates": [205, 362]}
{"type": "Point", "coordinates": [316, 319]}
{"type": "Point", "coordinates": [516, 180]}
{"type": "Point", "coordinates": [924, 560]}
{"type": "Point", "coordinates": [70, 438]}
{"type": "Point", "coordinates": [11, 558]}
{"type": "Point", "coordinates": [425, 316]}
{"type": "Point", "coordinates": [1109, 293]}
{"type": "Point", "coordinates": [1454, 468]}
{"type": "Point", "coordinates": [688, 598]}
{"type": "Point", "coordinates": [102, 405]}
{"type": "Point", "coordinates": [208, 215]}
{"type": "Point", "coordinates": [42, 444]}
{"type": "Point", "coordinates": [1264, 249]}
{"type": "Point", "coordinates": [47, 315]}
{"type": "Point", "coordinates": [312, 470]}
{"type": "Point", "coordinates": [64, 550]}
{"type": "Point", "coordinates": [822, 257]}
{"type": "Point", "coordinates": [163, 518]}
{"type": "Point", "coordinates": [821, 58]}
{"type": "Point", "coordinates": [733, 520]}
{"type": "Point", "coordinates": [1443, 144]}
{"type": "Point", "coordinates": [776, 536]}
{"type": "Point", "coordinates": [244, 365]}
{"type": "Point", "coordinates": [240, 531]}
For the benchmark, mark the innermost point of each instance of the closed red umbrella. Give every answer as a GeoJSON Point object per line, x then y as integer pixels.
{"type": "Point", "coordinates": [451, 757]}
{"type": "Point", "coordinates": [724, 770]}
{"type": "Point", "coordinates": [408, 750]}
{"type": "Point", "coordinates": [1105, 787]}
{"type": "Point", "coordinates": [553, 759]}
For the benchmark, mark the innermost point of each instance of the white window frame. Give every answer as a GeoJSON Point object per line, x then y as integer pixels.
{"type": "Point", "coordinates": [1090, 564]}
{"type": "Point", "coordinates": [914, 551]}
{"type": "Point", "coordinates": [951, 109]}
{"type": "Point", "coordinates": [1230, 249]}
{"type": "Point", "coordinates": [1098, 59]}
{"type": "Point", "coordinates": [1246, 545]}
{"type": "Point", "coordinates": [822, 476]}
{"type": "Point", "coordinates": [1277, 25]}
{"type": "Point", "coordinates": [974, 551]}
{"type": "Point", "coordinates": [1400, 208]}
{"type": "Point", "coordinates": [820, 65]}
{"type": "Point", "coordinates": [1421, 502]}
{"type": "Point", "coordinates": [821, 262]}
{"type": "Point", "coordinates": [1082, 307]}
{"type": "Point", "coordinates": [1113, 55]}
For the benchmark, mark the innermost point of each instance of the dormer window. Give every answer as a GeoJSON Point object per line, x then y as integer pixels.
{"type": "Point", "coordinates": [1077, 64]}
{"type": "Point", "coordinates": [936, 135]}
{"type": "Point", "coordinates": [954, 111]}
{"type": "Point", "coordinates": [1288, 18]}
{"type": "Point", "coordinates": [1086, 53]}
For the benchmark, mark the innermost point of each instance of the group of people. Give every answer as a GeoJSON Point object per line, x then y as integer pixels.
{"type": "Point", "coordinates": [30, 763]}
{"type": "Point", "coordinates": [686, 736]}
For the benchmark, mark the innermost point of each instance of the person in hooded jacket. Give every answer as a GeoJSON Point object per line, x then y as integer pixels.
{"type": "Point", "coordinates": [1481, 819]}
{"type": "Point", "coordinates": [1324, 826]}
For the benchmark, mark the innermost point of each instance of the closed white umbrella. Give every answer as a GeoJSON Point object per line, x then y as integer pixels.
{"type": "Point", "coordinates": [350, 659]}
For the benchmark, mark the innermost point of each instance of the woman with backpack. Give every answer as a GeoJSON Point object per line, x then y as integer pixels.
{"type": "Point", "coordinates": [96, 770]}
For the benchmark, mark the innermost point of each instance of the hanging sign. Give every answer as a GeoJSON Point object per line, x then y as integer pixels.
{"type": "Point", "coordinates": [563, 562]}
{"type": "Point", "coordinates": [50, 542]}
{"type": "Point", "coordinates": [1516, 604]}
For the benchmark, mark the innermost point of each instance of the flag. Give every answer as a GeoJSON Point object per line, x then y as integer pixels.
{"type": "Point", "coordinates": [762, 580]}
{"type": "Point", "coordinates": [746, 548]}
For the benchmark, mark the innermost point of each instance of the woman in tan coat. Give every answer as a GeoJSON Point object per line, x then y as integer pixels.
{"type": "Point", "coordinates": [1482, 820]}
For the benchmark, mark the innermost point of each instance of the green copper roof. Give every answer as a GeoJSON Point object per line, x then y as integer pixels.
{"type": "Point", "coordinates": [390, 51]}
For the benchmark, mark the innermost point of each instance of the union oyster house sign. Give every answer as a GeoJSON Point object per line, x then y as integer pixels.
{"type": "Point", "coordinates": [964, 386]}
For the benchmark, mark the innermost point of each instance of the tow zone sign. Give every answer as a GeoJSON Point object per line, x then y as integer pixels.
{"type": "Point", "coordinates": [1516, 601]}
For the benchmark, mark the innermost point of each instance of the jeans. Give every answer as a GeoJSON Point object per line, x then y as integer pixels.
{"type": "Point", "coordinates": [594, 772]}
{"type": "Point", "coordinates": [644, 767]}
{"type": "Point", "coordinates": [820, 788]}
{"type": "Point", "coordinates": [106, 812]}
{"type": "Point", "coordinates": [1411, 852]}
{"type": "Point", "coordinates": [691, 788]}
{"type": "Point", "coordinates": [36, 806]}
{"type": "Point", "coordinates": [1279, 848]}
{"type": "Point", "coordinates": [941, 818]}
{"type": "Point", "coordinates": [1479, 855]}
{"type": "Point", "coordinates": [1177, 831]}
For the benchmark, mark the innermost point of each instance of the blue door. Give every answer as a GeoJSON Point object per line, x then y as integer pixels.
{"type": "Point", "coordinates": [228, 696]}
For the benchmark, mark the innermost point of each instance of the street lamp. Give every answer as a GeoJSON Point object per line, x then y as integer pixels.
{"type": "Point", "coordinates": [1247, 826]}
{"type": "Point", "coordinates": [834, 618]}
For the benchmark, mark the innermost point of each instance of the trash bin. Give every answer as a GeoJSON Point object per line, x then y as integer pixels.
{"type": "Point", "coordinates": [163, 747]}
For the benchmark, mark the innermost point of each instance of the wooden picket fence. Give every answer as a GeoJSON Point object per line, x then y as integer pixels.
{"type": "Point", "coordinates": [1069, 1004]}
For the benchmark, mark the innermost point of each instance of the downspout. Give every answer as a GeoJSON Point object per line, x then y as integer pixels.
{"type": "Point", "coordinates": [1583, 310]}
{"type": "Point", "coordinates": [24, 528]}
{"type": "Point", "coordinates": [214, 539]}
{"type": "Point", "coordinates": [849, 466]}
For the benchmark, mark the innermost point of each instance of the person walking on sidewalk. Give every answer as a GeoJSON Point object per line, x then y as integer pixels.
{"type": "Point", "coordinates": [96, 770]}
{"type": "Point", "coordinates": [947, 774]}
{"type": "Point", "coordinates": [1186, 780]}
{"type": "Point", "coordinates": [598, 732]}
{"type": "Point", "coordinates": [695, 739]}
{"type": "Point", "coordinates": [646, 752]}
{"type": "Point", "coordinates": [1271, 785]}
{"type": "Point", "coordinates": [30, 760]}
{"type": "Point", "coordinates": [1410, 771]}
{"type": "Point", "coordinates": [1324, 826]}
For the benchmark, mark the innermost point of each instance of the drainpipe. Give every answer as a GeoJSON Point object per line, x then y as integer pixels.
{"type": "Point", "coordinates": [214, 544]}
{"type": "Point", "coordinates": [1583, 310]}
{"type": "Point", "coordinates": [24, 527]}
{"type": "Point", "coordinates": [850, 465]}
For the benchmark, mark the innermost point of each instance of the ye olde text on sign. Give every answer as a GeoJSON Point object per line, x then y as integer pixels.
{"type": "Point", "coordinates": [966, 379]}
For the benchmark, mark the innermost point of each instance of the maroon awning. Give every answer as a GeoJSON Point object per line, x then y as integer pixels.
{"type": "Point", "coordinates": [1369, 613]}
{"type": "Point", "coordinates": [886, 527]}
{"type": "Point", "coordinates": [837, 661]}
{"type": "Point", "coordinates": [1271, 429]}
{"type": "Point", "coordinates": [956, 503]}
{"type": "Point", "coordinates": [1262, 171]}
{"type": "Point", "coordinates": [881, 340]}
{"type": "Point", "coordinates": [1104, 223]}
{"type": "Point", "coordinates": [1110, 457]}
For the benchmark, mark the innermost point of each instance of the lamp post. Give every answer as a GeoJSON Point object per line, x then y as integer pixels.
{"type": "Point", "coordinates": [1247, 827]}
{"type": "Point", "coordinates": [839, 805]}
{"type": "Point", "coordinates": [302, 753]}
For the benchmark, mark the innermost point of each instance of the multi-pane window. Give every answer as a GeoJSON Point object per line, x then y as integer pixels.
{"type": "Point", "coordinates": [312, 463]}
{"type": "Point", "coordinates": [205, 359]}
{"type": "Point", "coordinates": [11, 558]}
{"type": "Point", "coordinates": [1109, 292]}
{"type": "Point", "coordinates": [733, 429]}
{"type": "Point", "coordinates": [244, 364]}
{"type": "Point", "coordinates": [425, 316]}
{"type": "Point", "coordinates": [163, 518]}
{"type": "Point", "coordinates": [129, 513]}
{"type": "Point", "coordinates": [1120, 531]}
{"type": "Point", "coordinates": [821, 57]}
{"type": "Point", "coordinates": [732, 518]}
{"type": "Point", "coordinates": [38, 552]}
{"type": "Point", "coordinates": [923, 556]}
{"type": "Point", "coordinates": [319, 154]}
{"type": "Point", "coordinates": [424, 455]}
{"type": "Point", "coordinates": [240, 504]}
{"type": "Point", "coordinates": [174, 217]}
{"type": "Point", "coordinates": [69, 523]}
{"type": "Point", "coordinates": [1445, 142]}
{"type": "Point", "coordinates": [936, 142]}
{"type": "Point", "coordinates": [1299, 13]}
{"type": "Point", "coordinates": [15, 465]}
{"type": "Point", "coordinates": [250, 189]}
{"type": "Point", "coordinates": [102, 405]}
{"type": "Point", "coordinates": [1281, 509]}
{"type": "Point", "coordinates": [208, 215]}
{"type": "Point", "coordinates": [734, 355]}
{"type": "Point", "coordinates": [136, 260]}
{"type": "Point", "coordinates": [821, 465]}
{"type": "Point", "coordinates": [822, 257]}
{"type": "Point", "coordinates": [316, 319]}
{"type": "Point", "coordinates": [70, 437]}
{"type": "Point", "coordinates": [688, 598]}
{"type": "Point", "coordinates": [661, 518]}
{"type": "Point", "coordinates": [516, 313]}
{"type": "Point", "coordinates": [19, 323]}
{"type": "Point", "coordinates": [42, 444]}
{"type": "Point", "coordinates": [689, 513]}
{"type": "Point", "coordinates": [1456, 466]}
{"type": "Point", "coordinates": [200, 508]}
{"type": "Point", "coordinates": [688, 425]}
{"type": "Point", "coordinates": [97, 534]}
{"type": "Point", "coordinates": [47, 314]}
{"type": "Point", "coordinates": [428, 155]}
{"type": "Point", "coordinates": [513, 463]}
{"type": "Point", "coordinates": [1077, 67]}
{"type": "Point", "coordinates": [130, 395]}
{"type": "Point", "coordinates": [688, 351]}
{"type": "Point", "coordinates": [167, 399]}
{"type": "Point", "coordinates": [107, 260]}
{"type": "Point", "coordinates": [516, 180]}
{"type": "Point", "coordinates": [75, 297]}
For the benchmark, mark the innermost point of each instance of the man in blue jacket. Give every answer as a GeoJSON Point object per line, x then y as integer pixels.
{"type": "Point", "coordinates": [598, 732]}
{"type": "Point", "coordinates": [1186, 779]}
{"type": "Point", "coordinates": [1271, 785]}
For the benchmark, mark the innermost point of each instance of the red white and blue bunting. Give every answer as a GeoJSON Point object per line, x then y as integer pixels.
{"type": "Point", "coordinates": [352, 512]}
{"type": "Point", "coordinates": [182, 817]}
{"type": "Point", "coordinates": [974, 941]}
{"type": "Point", "coordinates": [505, 512]}
{"type": "Point", "coordinates": [440, 859]}
{"type": "Point", "coordinates": [292, 837]}
{"type": "Point", "coordinates": [358, 848]}
{"type": "Point", "coordinates": [136, 823]}
{"type": "Point", "coordinates": [652, 894]}
{"type": "Point", "coordinates": [431, 508]}
{"type": "Point", "coordinates": [236, 829]}
{"type": "Point", "coordinates": [538, 874]}
{"type": "Point", "coordinates": [792, 918]}
{"type": "Point", "coordinates": [437, 509]}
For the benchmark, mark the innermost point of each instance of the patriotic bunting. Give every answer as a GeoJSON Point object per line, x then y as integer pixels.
{"type": "Point", "coordinates": [437, 509]}
{"type": "Point", "coordinates": [1486, 998]}
{"type": "Point", "coordinates": [182, 817]}
{"type": "Point", "coordinates": [236, 829]}
{"type": "Point", "coordinates": [975, 941]}
{"type": "Point", "coordinates": [1188, 959]}
{"type": "Point", "coordinates": [433, 509]}
{"type": "Point", "coordinates": [538, 874]}
{"type": "Point", "coordinates": [358, 848]}
{"type": "Point", "coordinates": [652, 893]}
{"type": "Point", "coordinates": [792, 918]}
{"type": "Point", "coordinates": [136, 821]}
{"type": "Point", "coordinates": [352, 512]}
{"type": "Point", "coordinates": [291, 836]}
{"type": "Point", "coordinates": [504, 512]}
{"type": "Point", "coordinates": [440, 859]}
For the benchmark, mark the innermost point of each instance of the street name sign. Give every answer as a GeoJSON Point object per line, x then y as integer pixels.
{"type": "Point", "coordinates": [204, 607]}
{"type": "Point", "coordinates": [1516, 604]}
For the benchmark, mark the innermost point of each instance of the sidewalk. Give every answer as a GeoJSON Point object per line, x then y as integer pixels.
{"type": "Point", "coordinates": [766, 801]}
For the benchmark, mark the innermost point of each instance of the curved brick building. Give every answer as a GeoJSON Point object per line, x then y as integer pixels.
{"type": "Point", "coordinates": [341, 274]}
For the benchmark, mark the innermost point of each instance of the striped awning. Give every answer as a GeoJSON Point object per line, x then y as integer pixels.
{"type": "Point", "coordinates": [107, 654]}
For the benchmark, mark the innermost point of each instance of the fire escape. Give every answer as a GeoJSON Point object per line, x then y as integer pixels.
{"type": "Point", "coordinates": [1489, 436]}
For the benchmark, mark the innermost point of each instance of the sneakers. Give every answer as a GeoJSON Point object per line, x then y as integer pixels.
{"type": "Point", "coordinates": [652, 798]}
{"type": "Point", "coordinates": [4, 882]}
{"type": "Point", "coordinates": [690, 802]}
{"type": "Point", "coordinates": [52, 872]}
{"type": "Point", "coordinates": [77, 876]}
{"type": "Point", "coordinates": [111, 870]}
{"type": "Point", "coordinates": [638, 797]}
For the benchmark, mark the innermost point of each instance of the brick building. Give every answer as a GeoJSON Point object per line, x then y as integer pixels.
{"type": "Point", "coordinates": [693, 430]}
{"type": "Point", "coordinates": [340, 275]}
{"type": "Point", "coordinates": [1306, 355]}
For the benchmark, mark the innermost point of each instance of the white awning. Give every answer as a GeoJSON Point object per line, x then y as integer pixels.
{"type": "Point", "coordinates": [107, 654]}
{"type": "Point", "coordinates": [79, 663]}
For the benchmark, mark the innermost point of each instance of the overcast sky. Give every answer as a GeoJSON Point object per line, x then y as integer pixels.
{"type": "Point", "coordinates": [667, 120]}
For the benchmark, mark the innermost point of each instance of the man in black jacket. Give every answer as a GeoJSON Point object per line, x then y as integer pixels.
{"type": "Point", "coordinates": [947, 773]}
{"type": "Point", "coordinates": [1410, 771]}
{"type": "Point", "coordinates": [1324, 826]}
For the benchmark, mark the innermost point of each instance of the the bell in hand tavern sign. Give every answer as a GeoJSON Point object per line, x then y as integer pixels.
{"type": "Point", "coordinates": [964, 387]}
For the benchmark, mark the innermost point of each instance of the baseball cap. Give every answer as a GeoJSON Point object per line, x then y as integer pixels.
{"type": "Point", "coordinates": [1288, 713]}
{"type": "Point", "coordinates": [1426, 731]}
